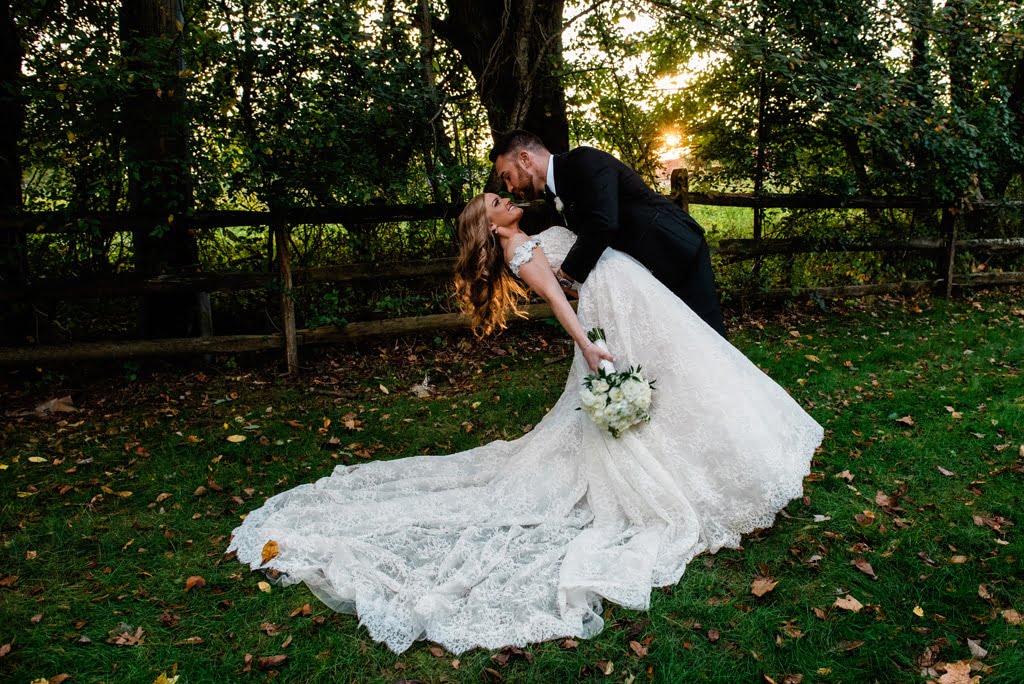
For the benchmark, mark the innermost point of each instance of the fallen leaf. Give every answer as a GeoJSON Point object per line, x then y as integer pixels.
{"type": "Point", "coordinates": [845, 475]}
{"type": "Point", "coordinates": [264, 587]}
{"type": "Point", "coordinates": [638, 648]}
{"type": "Point", "coordinates": [270, 551]}
{"type": "Point", "coordinates": [59, 679]}
{"type": "Point", "coordinates": [38, 459]}
{"type": "Point", "coordinates": [4, 650]}
{"type": "Point", "coordinates": [848, 603]}
{"type": "Point", "coordinates": [958, 673]}
{"type": "Point", "coordinates": [58, 405]}
{"type": "Point", "coordinates": [270, 662]}
{"type": "Point", "coordinates": [812, 358]}
{"type": "Point", "coordinates": [570, 643]}
{"type": "Point", "coordinates": [762, 585]}
{"type": "Point", "coordinates": [160, 498]}
{"type": "Point", "coordinates": [983, 591]}
{"type": "Point", "coordinates": [958, 560]}
{"type": "Point", "coordinates": [235, 439]}
{"type": "Point", "coordinates": [606, 667]}
{"type": "Point", "coordinates": [864, 567]}
{"type": "Point", "coordinates": [384, 389]}
{"type": "Point", "coordinates": [906, 420]}
{"type": "Point", "coordinates": [865, 519]}
{"type": "Point", "coordinates": [1011, 616]}
{"type": "Point", "coordinates": [304, 610]}
{"type": "Point", "coordinates": [437, 651]}
{"type": "Point", "coordinates": [930, 656]}
{"type": "Point", "coordinates": [947, 473]}
{"type": "Point", "coordinates": [976, 650]}
{"type": "Point", "coordinates": [194, 582]}
{"type": "Point", "coordinates": [713, 635]}
{"type": "Point", "coordinates": [918, 611]}
{"type": "Point", "coordinates": [847, 645]}
{"type": "Point", "coordinates": [123, 636]}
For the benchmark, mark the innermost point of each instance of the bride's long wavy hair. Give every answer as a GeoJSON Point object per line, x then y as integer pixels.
{"type": "Point", "coordinates": [484, 288]}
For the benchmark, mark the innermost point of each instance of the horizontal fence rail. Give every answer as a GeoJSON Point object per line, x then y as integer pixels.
{"type": "Point", "coordinates": [284, 279]}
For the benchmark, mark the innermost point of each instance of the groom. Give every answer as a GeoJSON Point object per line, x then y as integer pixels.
{"type": "Point", "coordinates": [607, 204]}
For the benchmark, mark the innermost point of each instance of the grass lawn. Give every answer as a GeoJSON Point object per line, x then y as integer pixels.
{"type": "Point", "coordinates": [902, 562]}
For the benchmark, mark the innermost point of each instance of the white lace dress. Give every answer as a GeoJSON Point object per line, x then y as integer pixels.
{"type": "Point", "coordinates": [518, 542]}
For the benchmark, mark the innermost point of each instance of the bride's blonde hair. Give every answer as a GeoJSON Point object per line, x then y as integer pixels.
{"type": "Point", "coordinates": [484, 288]}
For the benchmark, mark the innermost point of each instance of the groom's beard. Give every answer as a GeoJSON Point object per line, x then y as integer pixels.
{"type": "Point", "coordinates": [529, 192]}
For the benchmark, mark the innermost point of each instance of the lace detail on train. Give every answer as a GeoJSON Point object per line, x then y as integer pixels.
{"type": "Point", "coordinates": [519, 541]}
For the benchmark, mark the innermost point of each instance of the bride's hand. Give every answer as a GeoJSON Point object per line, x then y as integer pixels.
{"type": "Point", "coordinates": [594, 354]}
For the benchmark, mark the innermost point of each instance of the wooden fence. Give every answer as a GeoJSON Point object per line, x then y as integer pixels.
{"type": "Point", "coordinates": [943, 248]}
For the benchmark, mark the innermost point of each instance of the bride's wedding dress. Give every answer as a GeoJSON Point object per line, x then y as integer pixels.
{"type": "Point", "coordinates": [517, 542]}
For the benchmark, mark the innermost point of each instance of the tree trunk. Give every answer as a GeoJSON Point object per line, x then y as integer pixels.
{"type": "Point", "coordinates": [514, 50]}
{"type": "Point", "coordinates": [156, 154]}
{"type": "Point", "coordinates": [14, 319]}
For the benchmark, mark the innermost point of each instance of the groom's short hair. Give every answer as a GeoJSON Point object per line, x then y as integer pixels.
{"type": "Point", "coordinates": [515, 140]}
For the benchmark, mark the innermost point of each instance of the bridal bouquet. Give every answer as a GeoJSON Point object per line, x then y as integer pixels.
{"type": "Point", "coordinates": [615, 400]}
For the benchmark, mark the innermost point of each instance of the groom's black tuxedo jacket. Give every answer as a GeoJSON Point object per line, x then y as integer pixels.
{"type": "Point", "coordinates": [608, 205]}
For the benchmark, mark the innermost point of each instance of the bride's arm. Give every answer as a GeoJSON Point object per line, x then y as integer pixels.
{"type": "Point", "coordinates": [538, 275]}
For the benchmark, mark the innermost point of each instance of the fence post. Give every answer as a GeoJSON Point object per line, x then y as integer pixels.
{"type": "Point", "coordinates": [950, 227]}
{"type": "Point", "coordinates": [291, 347]}
{"type": "Point", "coordinates": [680, 188]}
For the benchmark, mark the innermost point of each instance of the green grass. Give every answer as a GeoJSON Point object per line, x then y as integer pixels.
{"type": "Point", "coordinates": [80, 559]}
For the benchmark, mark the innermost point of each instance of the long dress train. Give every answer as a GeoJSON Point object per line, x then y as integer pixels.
{"type": "Point", "coordinates": [519, 541]}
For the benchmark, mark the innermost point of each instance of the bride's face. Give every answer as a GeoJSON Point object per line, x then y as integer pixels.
{"type": "Point", "coordinates": [501, 212]}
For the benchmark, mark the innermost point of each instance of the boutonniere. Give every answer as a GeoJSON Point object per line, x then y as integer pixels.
{"type": "Point", "coordinates": [559, 205]}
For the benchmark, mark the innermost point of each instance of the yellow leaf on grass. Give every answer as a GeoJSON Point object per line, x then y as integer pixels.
{"type": "Point", "coordinates": [812, 358]}
{"type": "Point", "coordinates": [38, 459]}
{"type": "Point", "coordinates": [270, 551]}
{"type": "Point", "coordinates": [918, 611]}
{"type": "Point", "coordinates": [264, 587]}
{"type": "Point", "coordinates": [849, 603]}
{"type": "Point", "coordinates": [236, 438]}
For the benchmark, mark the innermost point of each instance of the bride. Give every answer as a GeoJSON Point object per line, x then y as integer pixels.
{"type": "Point", "coordinates": [518, 542]}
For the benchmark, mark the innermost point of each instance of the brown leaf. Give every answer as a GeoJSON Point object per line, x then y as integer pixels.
{"type": "Point", "coordinates": [819, 613]}
{"type": "Point", "coordinates": [248, 663]}
{"type": "Point", "coordinates": [124, 637]}
{"type": "Point", "coordinates": [270, 662]}
{"type": "Point", "coordinates": [983, 591]}
{"type": "Point", "coordinates": [36, 619]}
{"type": "Point", "coordinates": [958, 673]}
{"type": "Point", "coordinates": [437, 651]}
{"type": "Point", "coordinates": [762, 585]}
{"type": "Point", "coordinates": [884, 500]}
{"type": "Point", "coordinates": [638, 648]}
{"type": "Point", "coordinates": [848, 603]}
{"type": "Point", "coordinates": [160, 498]}
{"type": "Point", "coordinates": [848, 645]}
{"type": "Point", "coordinates": [570, 643]}
{"type": "Point", "coordinates": [713, 635]}
{"type": "Point", "coordinates": [605, 666]}
{"type": "Point", "coordinates": [500, 659]}
{"type": "Point", "coordinates": [191, 641]}
{"type": "Point", "coordinates": [1011, 616]}
{"type": "Point", "coordinates": [304, 610]}
{"type": "Point", "coordinates": [168, 619]}
{"type": "Point", "coordinates": [269, 628]}
{"type": "Point", "coordinates": [906, 420]}
{"type": "Point", "coordinates": [865, 519]}
{"type": "Point", "coordinates": [864, 567]}
{"type": "Point", "coordinates": [4, 650]}
{"type": "Point", "coordinates": [931, 654]}
{"type": "Point", "coordinates": [492, 675]}
{"type": "Point", "coordinates": [947, 473]}
{"type": "Point", "coordinates": [59, 679]}
{"type": "Point", "coordinates": [958, 560]}
{"type": "Point", "coordinates": [270, 551]}
{"type": "Point", "coordinates": [194, 582]}
{"type": "Point", "coordinates": [845, 475]}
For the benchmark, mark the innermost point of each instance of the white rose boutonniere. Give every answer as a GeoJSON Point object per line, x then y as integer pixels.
{"type": "Point", "coordinates": [559, 205]}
